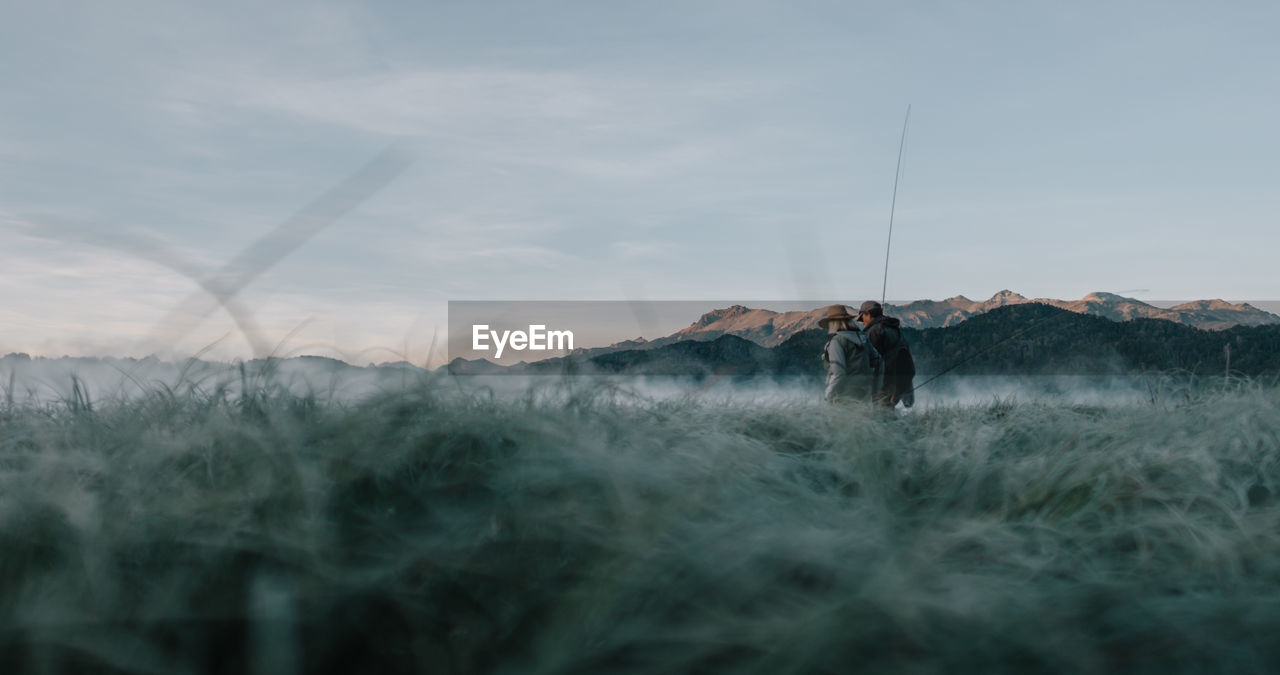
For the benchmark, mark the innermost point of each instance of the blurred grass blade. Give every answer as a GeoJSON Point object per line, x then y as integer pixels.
{"type": "Point", "coordinates": [223, 285]}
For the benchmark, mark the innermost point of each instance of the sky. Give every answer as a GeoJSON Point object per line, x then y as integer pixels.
{"type": "Point", "coordinates": [235, 179]}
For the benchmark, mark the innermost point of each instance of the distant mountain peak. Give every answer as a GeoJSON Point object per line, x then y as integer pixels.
{"type": "Point", "coordinates": [1216, 303]}
{"type": "Point", "coordinates": [1008, 295]}
{"type": "Point", "coordinates": [720, 314]}
{"type": "Point", "coordinates": [1103, 296]}
{"type": "Point", "coordinates": [1218, 313]}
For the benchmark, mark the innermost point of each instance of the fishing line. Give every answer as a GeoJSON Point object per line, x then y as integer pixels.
{"type": "Point", "coordinates": [1037, 322]}
{"type": "Point", "coordinates": [897, 175]}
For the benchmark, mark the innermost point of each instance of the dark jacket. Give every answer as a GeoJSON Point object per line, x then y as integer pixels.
{"type": "Point", "coordinates": [885, 334]}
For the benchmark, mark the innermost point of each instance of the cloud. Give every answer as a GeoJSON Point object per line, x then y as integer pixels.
{"type": "Point", "coordinates": [424, 101]}
{"type": "Point", "coordinates": [644, 249]}
{"type": "Point", "coordinates": [577, 122]}
{"type": "Point", "coordinates": [517, 256]}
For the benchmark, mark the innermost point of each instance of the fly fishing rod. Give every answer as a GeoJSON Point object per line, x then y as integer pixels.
{"type": "Point", "coordinates": [897, 175]}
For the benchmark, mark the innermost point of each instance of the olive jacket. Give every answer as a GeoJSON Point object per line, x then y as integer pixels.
{"type": "Point", "coordinates": [853, 367]}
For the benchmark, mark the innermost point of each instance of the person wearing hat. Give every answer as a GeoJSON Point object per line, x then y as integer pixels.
{"type": "Point", "coordinates": [852, 362]}
{"type": "Point", "coordinates": [885, 334]}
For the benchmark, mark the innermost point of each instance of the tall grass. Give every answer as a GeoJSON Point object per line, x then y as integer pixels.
{"type": "Point", "coordinates": [585, 530]}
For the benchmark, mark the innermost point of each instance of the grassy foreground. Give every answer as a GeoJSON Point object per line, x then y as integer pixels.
{"type": "Point", "coordinates": [434, 531]}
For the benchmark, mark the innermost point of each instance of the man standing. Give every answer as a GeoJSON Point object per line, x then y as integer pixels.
{"type": "Point", "coordinates": [853, 366]}
{"type": "Point", "coordinates": [885, 334]}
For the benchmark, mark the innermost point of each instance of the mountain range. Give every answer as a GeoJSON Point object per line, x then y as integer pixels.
{"type": "Point", "coordinates": [768, 328]}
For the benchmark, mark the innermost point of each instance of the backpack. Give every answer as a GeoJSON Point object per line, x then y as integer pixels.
{"type": "Point", "coordinates": [860, 357]}
{"type": "Point", "coordinates": [899, 371]}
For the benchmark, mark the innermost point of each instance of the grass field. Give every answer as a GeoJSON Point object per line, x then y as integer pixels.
{"type": "Point", "coordinates": [588, 530]}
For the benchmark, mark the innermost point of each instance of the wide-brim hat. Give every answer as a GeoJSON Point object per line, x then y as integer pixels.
{"type": "Point", "coordinates": [835, 313]}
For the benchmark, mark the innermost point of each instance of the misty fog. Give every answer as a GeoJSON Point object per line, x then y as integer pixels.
{"type": "Point", "coordinates": [50, 381]}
